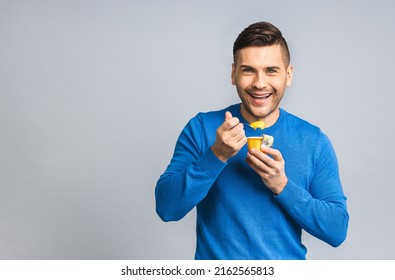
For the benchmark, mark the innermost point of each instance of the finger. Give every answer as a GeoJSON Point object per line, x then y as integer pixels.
{"type": "Point", "coordinates": [231, 123]}
{"type": "Point", "coordinates": [257, 165]}
{"type": "Point", "coordinates": [256, 157]}
{"type": "Point", "coordinates": [241, 139]}
{"type": "Point", "coordinates": [260, 159]}
{"type": "Point", "coordinates": [228, 115]}
{"type": "Point", "coordinates": [276, 155]}
{"type": "Point", "coordinates": [237, 130]}
{"type": "Point", "coordinates": [236, 140]}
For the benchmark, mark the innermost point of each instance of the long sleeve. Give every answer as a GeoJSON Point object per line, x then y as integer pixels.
{"type": "Point", "coordinates": [190, 174]}
{"type": "Point", "coordinates": [237, 216]}
{"type": "Point", "coordinates": [321, 210]}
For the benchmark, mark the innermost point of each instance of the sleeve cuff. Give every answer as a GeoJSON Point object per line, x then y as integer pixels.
{"type": "Point", "coordinates": [290, 195]}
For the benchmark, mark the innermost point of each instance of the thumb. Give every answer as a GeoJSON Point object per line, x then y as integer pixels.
{"type": "Point", "coordinates": [228, 115]}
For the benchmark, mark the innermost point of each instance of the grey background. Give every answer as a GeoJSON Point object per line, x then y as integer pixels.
{"type": "Point", "coordinates": [93, 95]}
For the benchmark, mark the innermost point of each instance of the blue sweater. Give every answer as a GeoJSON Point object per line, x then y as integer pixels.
{"type": "Point", "coordinates": [237, 216]}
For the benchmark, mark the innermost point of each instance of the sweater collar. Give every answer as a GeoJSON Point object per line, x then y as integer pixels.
{"type": "Point", "coordinates": [236, 112]}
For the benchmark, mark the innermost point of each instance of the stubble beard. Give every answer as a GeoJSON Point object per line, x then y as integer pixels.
{"type": "Point", "coordinates": [268, 110]}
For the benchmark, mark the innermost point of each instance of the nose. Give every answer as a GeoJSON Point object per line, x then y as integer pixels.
{"type": "Point", "coordinates": [259, 81]}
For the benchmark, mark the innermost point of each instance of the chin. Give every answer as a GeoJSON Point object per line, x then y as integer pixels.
{"type": "Point", "coordinates": [260, 113]}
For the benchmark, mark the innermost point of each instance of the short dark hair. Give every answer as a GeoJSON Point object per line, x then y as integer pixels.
{"type": "Point", "coordinates": [261, 34]}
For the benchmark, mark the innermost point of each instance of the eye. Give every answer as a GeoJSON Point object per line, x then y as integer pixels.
{"type": "Point", "coordinates": [271, 71]}
{"type": "Point", "coordinates": [247, 70]}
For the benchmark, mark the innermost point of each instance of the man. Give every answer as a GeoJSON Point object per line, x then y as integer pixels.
{"type": "Point", "coordinates": [254, 204]}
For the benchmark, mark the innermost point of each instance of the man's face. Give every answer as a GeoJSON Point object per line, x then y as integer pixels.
{"type": "Point", "coordinates": [261, 75]}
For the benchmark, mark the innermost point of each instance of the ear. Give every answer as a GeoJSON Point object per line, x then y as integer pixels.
{"type": "Point", "coordinates": [233, 74]}
{"type": "Point", "coordinates": [289, 75]}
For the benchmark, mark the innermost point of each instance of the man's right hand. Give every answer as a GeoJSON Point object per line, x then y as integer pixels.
{"type": "Point", "coordinates": [230, 138]}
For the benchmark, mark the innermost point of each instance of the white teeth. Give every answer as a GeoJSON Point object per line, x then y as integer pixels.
{"type": "Point", "coordinates": [260, 96]}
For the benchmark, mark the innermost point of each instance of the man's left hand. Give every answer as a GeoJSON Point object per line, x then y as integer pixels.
{"type": "Point", "coordinates": [270, 169]}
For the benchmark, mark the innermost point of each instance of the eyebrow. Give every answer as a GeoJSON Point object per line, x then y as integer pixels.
{"type": "Point", "coordinates": [267, 67]}
{"type": "Point", "coordinates": [245, 66]}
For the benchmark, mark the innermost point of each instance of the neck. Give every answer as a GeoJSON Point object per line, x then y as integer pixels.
{"type": "Point", "coordinates": [269, 119]}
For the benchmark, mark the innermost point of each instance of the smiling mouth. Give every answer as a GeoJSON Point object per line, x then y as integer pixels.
{"type": "Point", "coordinates": [260, 96]}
